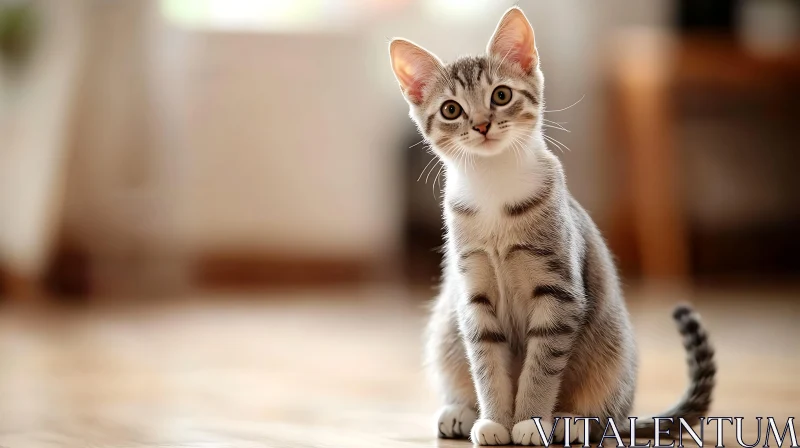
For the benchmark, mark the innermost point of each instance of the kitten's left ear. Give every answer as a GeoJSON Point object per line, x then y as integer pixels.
{"type": "Point", "coordinates": [414, 67]}
{"type": "Point", "coordinates": [513, 40]}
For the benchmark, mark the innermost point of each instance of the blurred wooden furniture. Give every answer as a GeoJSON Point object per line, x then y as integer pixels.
{"type": "Point", "coordinates": [649, 71]}
{"type": "Point", "coordinates": [18, 287]}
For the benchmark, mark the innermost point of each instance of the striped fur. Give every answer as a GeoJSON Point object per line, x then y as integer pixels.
{"type": "Point", "coordinates": [702, 375]}
{"type": "Point", "coordinates": [530, 320]}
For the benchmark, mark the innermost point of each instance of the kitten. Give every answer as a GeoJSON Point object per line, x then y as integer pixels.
{"type": "Point", "coordinates": [530, 320]}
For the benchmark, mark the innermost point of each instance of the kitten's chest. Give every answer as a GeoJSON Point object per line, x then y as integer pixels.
{"type": "Point", "coordinates": [509, 278]}
{"type": "Point", "coordinates": [497, 236]}
{"type": "Point", "coordinates": [508, 263]}
{"type": "Point", "coordinates": [490, 231]}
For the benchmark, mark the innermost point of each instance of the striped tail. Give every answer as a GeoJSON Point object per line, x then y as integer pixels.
{"type": "Point", "coordinates": [702, 370]}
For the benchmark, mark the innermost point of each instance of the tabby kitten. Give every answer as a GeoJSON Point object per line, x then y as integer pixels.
{"type": "Point", "coordinates": [530, 320]}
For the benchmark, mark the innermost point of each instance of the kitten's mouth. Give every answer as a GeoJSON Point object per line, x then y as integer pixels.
{"type": "Point", "coordinates": [488, 146]}
{"type": "Point", "coordinates": [487, 142]}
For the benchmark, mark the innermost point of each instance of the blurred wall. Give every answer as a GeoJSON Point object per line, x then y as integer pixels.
{"type": "Point", "coordinates": [194, 141]}
{"type": "Point", "coordinates": [283, 145]}
{"type": "Point", "coordinates": [36, 102]}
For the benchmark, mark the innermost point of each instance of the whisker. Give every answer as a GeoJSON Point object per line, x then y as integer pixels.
{"type": "Point", "coordinates": [462, 157]}
{"type": "Point", "coordinates": [435, 180]}
{"type": "Point", "coordinates": [557, 143]}
{"type": "Point", "coordinates": [449, 146]}
{"type": "Point", "coordinates": [550, 140]}
{"type": "Point", "coordinates": [472, 164]}
{"type": "Point", "coordinates": [431, 170]}
{"type": "Point", "coordinates": [426, 167]}
{"type": "Point", "coordinates": [522, 135]}
{"type": "Point", "coordinates": [560, 143]}
{"type": "Point", "coordinates": [417, 143]}
{"type": "Point", "coordinates": [560, 128]}
{"type": "Point", "coordinates": [519, 138]}
{"type": "Point", "coordinates": [515, 147]}
{"type": "Point", "coordinates": [572, 105]}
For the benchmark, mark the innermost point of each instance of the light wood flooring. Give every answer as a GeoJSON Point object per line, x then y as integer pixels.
{"type": "Point", "coordinates": [336, 368]}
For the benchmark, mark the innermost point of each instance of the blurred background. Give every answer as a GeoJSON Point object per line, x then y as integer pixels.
{"type": "Point", "coordinates": [164, 151]}
{"type": "Point", "coordinates": [152, 146]}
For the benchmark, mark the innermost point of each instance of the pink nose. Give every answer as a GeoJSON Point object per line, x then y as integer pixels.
{"type": "Point", "coordinates": [483, 128]}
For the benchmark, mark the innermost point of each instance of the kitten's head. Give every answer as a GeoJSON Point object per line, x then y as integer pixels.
{"type": "Point", "coordinates": [475, 105]}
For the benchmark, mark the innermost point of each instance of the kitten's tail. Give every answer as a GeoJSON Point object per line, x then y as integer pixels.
{"type": "Point", "coordinates": [702, 370]}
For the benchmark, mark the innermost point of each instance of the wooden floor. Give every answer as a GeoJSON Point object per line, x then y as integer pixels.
{"type": "Point", "coordinates": [321, 369]}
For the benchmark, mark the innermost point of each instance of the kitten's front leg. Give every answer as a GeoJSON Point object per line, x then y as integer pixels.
{"type": "Point", "coordinates": [489, 354]}
{"type": "Point", "coordinates": [490, 358]}
{"type": "Point", "coordinates": [552, 328]}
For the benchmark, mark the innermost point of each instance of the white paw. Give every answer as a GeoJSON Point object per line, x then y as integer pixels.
{"type": "Point", "coordinates": [488, 432]}
{"type": "Point", "coordinates": [455, 421]}
{"type": "Point", "coordinates": [526, 432]}
{"type": "Point", "coordinates": [575, 429]}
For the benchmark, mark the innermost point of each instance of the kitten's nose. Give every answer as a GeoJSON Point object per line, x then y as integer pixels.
{"type": "Point", "coordinates": [483, 128]}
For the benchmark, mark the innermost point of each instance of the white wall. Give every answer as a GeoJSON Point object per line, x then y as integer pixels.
{"type": "Point", "coordinates": [194, 141]}
{"type": "Point", "coordinates": [259, 176]}
{"type": "Point", "coordinates": [35, 107]}
{"type": "Point", "coordinates": [281, 139]}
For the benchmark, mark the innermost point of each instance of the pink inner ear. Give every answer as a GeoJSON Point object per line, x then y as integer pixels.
{"type": "Point", "coordinates": [414, 67]}
{"type": "Point", "coordinates": [413, 78]}
{"type": "Point", "coordinates": [414, 90]}
{"type": "Point", "coordinates": [522, 54]}
{"type": "Point", "coordinates": [521, 50]}
{"type": "Point", "coordinates": [514, 41]}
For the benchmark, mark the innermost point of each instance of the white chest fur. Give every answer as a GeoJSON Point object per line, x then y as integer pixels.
{"type": "Point", "coordinates": [479, 223]}
{"type": "Point", "coordinates": [487, 188]}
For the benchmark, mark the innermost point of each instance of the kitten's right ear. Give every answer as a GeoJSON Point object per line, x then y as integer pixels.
{"type": "Point", "coordinates": [513, 40]}
{"type": "Point", "coordinates": [414, 67]}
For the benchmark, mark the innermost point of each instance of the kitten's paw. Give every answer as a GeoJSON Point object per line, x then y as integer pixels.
{"type": "Point", "coordinates": [488, 432]}
{"type": "Point", "coordinates": [526, 433]}
{"type": "Point", "coordinates": [455, 421]}
{"type": "Point", "coordinates": [575, 429]}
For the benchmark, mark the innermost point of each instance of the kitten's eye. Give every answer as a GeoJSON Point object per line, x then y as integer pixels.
{"type": "Point", "coordinates": [501, 95]}
{"type": "Point", "coordinates": [451, 110]}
